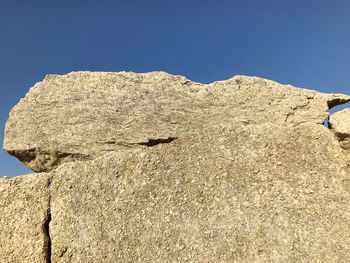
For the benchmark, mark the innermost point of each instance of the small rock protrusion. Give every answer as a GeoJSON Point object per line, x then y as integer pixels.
{"type": "Point", "coordinates": [339, 123]}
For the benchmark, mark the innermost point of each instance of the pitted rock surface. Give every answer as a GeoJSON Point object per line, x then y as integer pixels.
{"type": "Point", "coordinates": [82, 115]}
{"type": "Point", "coordinates": [155, 168]}
{"type": "Point", "coordinates": [24, 208]}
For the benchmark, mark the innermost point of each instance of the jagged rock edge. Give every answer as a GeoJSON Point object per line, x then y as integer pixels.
{"type": "Point", "coordinates": [56, 158]}
{"type": "Point", "coordinates": [336, 102]}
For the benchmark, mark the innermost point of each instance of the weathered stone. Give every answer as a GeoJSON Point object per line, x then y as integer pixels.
{"type": "Point", "coordinates": [155, 168]}
{"type": "Point", "coordinates": [258, 193]}
{"type": "Point", "coordinates": [340, 124]}
{"type": "Point", "coordinates": [83, 115]}
{"type": "Point", "coordinates": [24, 219]}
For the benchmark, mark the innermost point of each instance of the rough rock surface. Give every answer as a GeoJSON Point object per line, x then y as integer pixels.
{"type": "Point", "coordinates": [155, 168]}
{"type": "Point", "coordinates": [340, 124]}
{"type": "Point", "coordinates": [82, 115]}
{"type": "Point", "coordinates": [256, 193]}
{"type": "Point", "coordinates": [24, 218]}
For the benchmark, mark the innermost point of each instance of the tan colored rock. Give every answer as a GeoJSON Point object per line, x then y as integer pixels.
{"type": "Point", "coordinates": [24, 219]}
{"type": "Point", "coordinates": [155, 168]}
{"type": "Point", "coordinates": [259, 193]}
{"type": "Point", "coordinates": [340, 125]}
{"type": "Point", "coordinates": [83, 115]}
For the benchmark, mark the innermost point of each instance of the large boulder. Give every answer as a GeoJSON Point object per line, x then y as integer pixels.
{"type": "Point", "coordinates": [82, 115]}
{"type": "Point", "coordinates": [155, 168]}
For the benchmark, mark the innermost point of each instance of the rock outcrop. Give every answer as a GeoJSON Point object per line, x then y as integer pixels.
{"type": "Point", "coordinates": [156, 168]}
{"type": "Point", "coordinates": [83, 115]}
{"type": "Point", "coordinates": [340, 124]}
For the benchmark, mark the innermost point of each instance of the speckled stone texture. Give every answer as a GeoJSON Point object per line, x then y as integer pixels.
{"type": "Point", "coordinates": [340, 124]}
{"type": "Point", "coordinates": [155, 168]}
{"type": "Point", "coordinates": [82, 115]}
{"type": "Point", "coordinates": [24, 218]}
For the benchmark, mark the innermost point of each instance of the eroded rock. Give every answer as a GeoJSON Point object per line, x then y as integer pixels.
{"type": "Point", "coordinates": [261, 193]}
{"type": "Point", "coordinates": [156, 168]}
{"type": "Point", "coordinates": [83, 115]}
{"type": "Point", "coordinates": [340, 124]}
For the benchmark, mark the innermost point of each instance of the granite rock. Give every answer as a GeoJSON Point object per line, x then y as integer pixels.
{"type": "Point", "coordinates": [83, 115]}
{"type": "Point", "coordinates": [24, 218]}
{"type": "Point", "coordinates": [260, 193]}
{"type": "Point", "coordinates": [340, 124]}
{"type": "Point", "coordinates": [156, 168]}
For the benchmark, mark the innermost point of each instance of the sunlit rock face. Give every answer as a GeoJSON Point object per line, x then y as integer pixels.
{"type": "Point", "coordinates": [151, 167]}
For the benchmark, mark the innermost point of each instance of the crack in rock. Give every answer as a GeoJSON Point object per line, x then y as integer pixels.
{"type": "Point", "coordinates": [154, 142]}
{"type": "Point", "coordinates": [148, 143]}
{"type": "Point", "coordinates": [241, 142]}
{"type": "Point", "coordinates": [336, 102]}
{"type": "Point", "coordinates": [46, 227]}
{"type": "Point", "coordinates": [47, 237]}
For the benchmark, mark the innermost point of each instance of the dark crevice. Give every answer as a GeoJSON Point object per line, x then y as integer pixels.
{"type": "Point", "coordinates": [48, 248]}
{"type": "Point", "coordinates": [46, 227]}
{"type": "Point", "coordinates": [149, 143]}
{"type": "Point", "coordinates": [336, 102]}
{"type": "Point", "coordinates": [339, 107]}
{"type": "Point", "coordinates": [342, 136]}
{"type": "Point", "coordinates": [153, 142]}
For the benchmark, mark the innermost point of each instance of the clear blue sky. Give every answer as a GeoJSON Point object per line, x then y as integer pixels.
{"type": "Point", "coordinates": [301, 42]}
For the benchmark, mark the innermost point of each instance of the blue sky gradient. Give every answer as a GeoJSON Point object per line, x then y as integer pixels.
{"type": "Point", "coordinates": [303, 43]}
